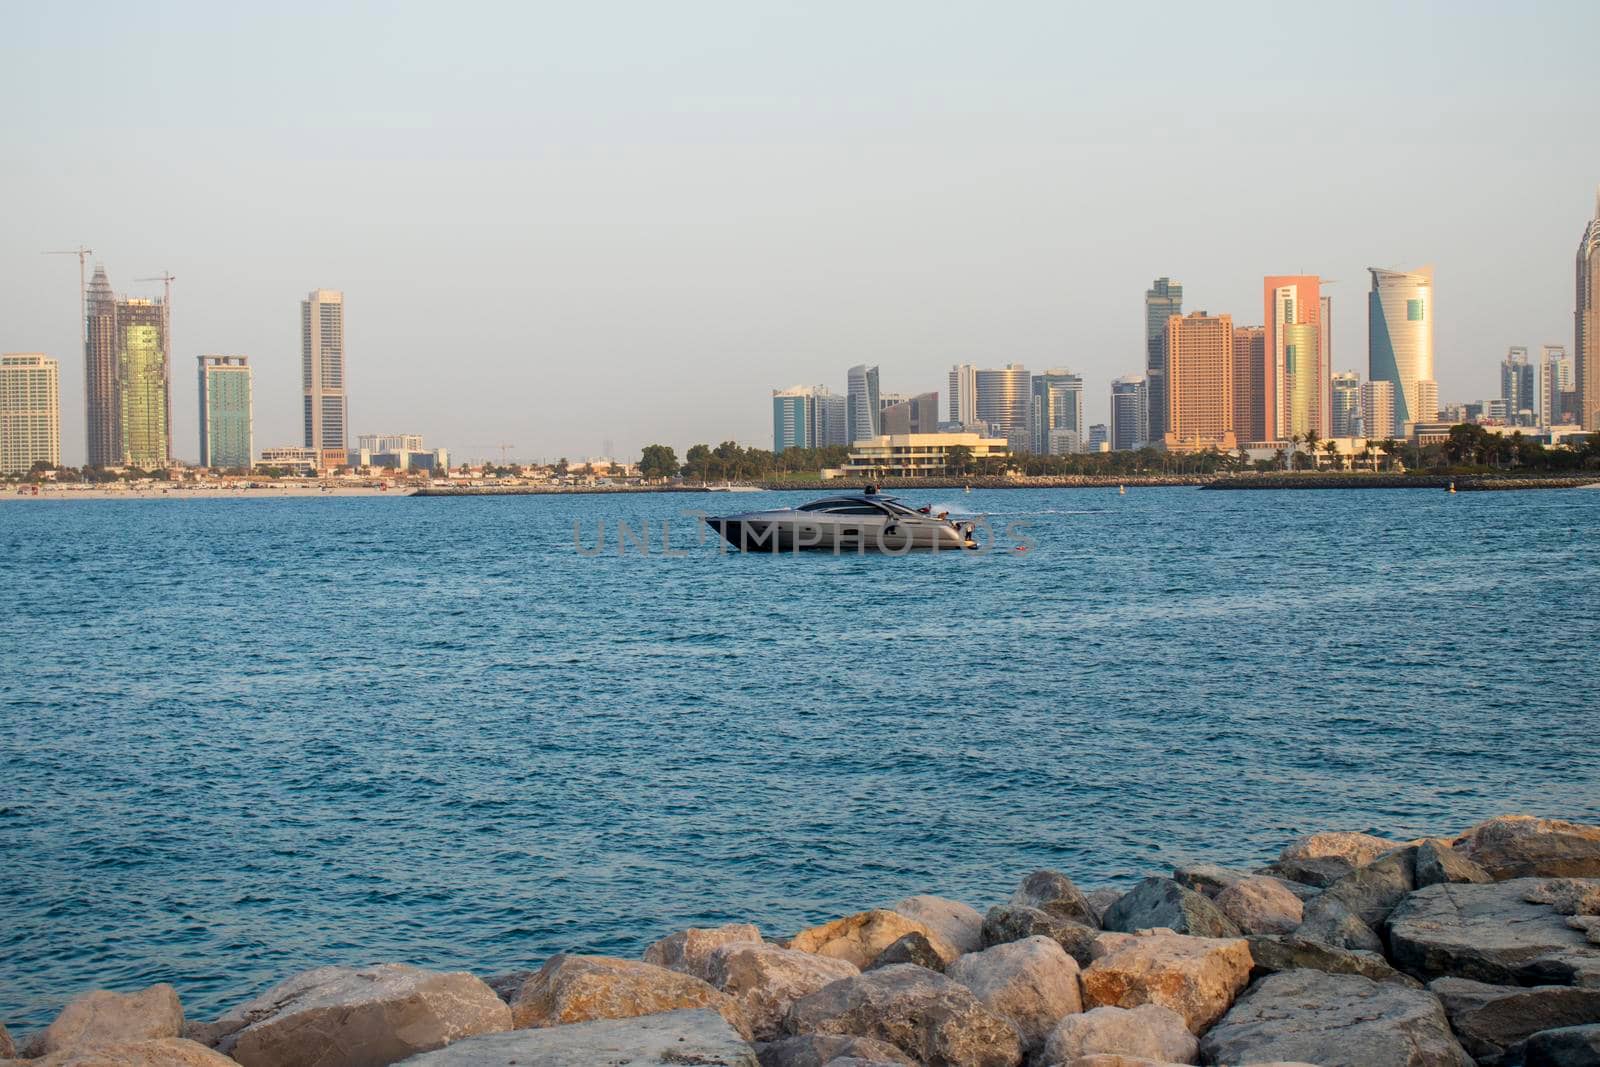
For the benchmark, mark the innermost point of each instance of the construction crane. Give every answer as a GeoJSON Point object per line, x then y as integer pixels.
{"type": "Point", "coordinates": [83, 290]}
{"type": "Point", "coordinates": [504, 448]}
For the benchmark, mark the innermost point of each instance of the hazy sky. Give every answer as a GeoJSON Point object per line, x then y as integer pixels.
{"type": "Point", "coordinates": [561, 223]}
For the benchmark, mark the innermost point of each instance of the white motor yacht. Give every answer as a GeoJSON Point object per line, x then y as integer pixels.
{"type": "Point", "coordinates": [863, 522]}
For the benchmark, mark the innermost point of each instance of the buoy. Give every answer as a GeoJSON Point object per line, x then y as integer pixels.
{"type": "Point", "coordinates": [1122, 490]}
{"type": "Point", "coordinates": [1452, 487]}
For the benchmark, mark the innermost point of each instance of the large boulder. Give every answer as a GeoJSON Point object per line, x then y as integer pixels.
{"type": "Point", "coordinates": [101, 1017]}
{"type": "Point", "coordinates": [1332, 922]}
{"type": "Point", "coordinates": [1322, 859]}
{"type": "Point", "coordinates": [765, 979]}
{"type": "Point", "coordinates": [690, 950]}
{"type": "Point", "coordinates": [1260, 905]}
{"type": "Point", "coordinates": [1372, 891]}
{"type": "Point", "coordinates": [1273, 953]}
{"type": "Point", "coordinates": [7, 1049]}
{"type": "Point", "coordinates": [1438, 862]}
{"type": "Point", "coordinates": [1208, 879]}
{"type": "Point", "coordinates": [861, 937]}
{"type": "Point", "coordinates": [1521, 846]}
{"type": "Point", "coordinates": [818, 1050]}
{"type": "Point", "coordinates": [911, 948]}
{"type": "Point", "coordinates": [151, 1052]}
{"type": "Point", "coordinates": [1032, 982]}
{"type": "Point", "coordinates": [668, 1038]}
{"type": "Point", "coordinates": [1491, 933]}
{"type": "Point", "coordinates": [1101, 898]}
{"type": "Point", "coordinates": [1013, 922]}
{"type": "Point", "coordinates": [349, 1016]}
{"type": "Point", "coordinates": [1054, 892]}
{"type": "Point", "coordinates": [580, 989]}
{"type": "Point", "coordinates": [1567, 1046]}
{"type": "Point", "coordinates": [927, 1016]}
{"type": "Point", "coordinates": [1148, 1031]}
{"type": "Point", "coordinates": [1334, 1020]}
{"type": "Point", "coordinates": [961, 925]}
{"type": "Point", "coordinates": [1491, 1019]}
{"type": "Point", "coordinates": [1197, 977]}
{"type": "Point", "coordinates": [1163, 903]}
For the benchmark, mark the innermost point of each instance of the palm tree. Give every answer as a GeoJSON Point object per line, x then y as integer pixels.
{"type": "Point", "coordinates": [1311, 439]}
{"type": "Point", "coordinates": [1390, 446]}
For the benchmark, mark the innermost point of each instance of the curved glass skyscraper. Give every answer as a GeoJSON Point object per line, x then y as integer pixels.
{"type": "Point", "coordinates": [1400, 340]}
{"type": "Point", "coordinates": [1586, 323]}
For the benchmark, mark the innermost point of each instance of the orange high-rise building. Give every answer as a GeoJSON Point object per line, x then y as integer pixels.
{"type": "Point", "coordinates": [1200, 382]}
{"type": "Point", "coordinates": [1250, 383]}
{"type": "Point", "coordinates": [1295, 397]}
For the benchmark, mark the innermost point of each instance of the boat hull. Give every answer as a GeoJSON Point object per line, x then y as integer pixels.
{"type": "Point", "coordinates": [787, 532]}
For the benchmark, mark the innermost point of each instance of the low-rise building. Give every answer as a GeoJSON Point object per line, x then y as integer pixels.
{"type": "Point", "coordinates": [919, 454]}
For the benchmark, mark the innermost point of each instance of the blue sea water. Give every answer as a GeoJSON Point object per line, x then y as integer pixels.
{"type": "Point", "coordinates": [243, 738]}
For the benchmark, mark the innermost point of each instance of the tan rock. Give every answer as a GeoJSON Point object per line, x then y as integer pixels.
{"type": "Point", "coordinates": [158, 1052]}
{"type": "Point", "coordinates": [1358, 849]}
{"type": "Point", "coordinates": [859, 938]}
{"type": "Point", "coordinates": [348, 1016]}
{"type": "Point", "coordinates": [690, 950]}
{"type": "Point", "coordinates": [1149, 1031]}
{"type": "Point", "coordinates": [102, 1017]}
{"type": "Point", "coordinates": [1261, 905]}
{"type": "Point", "coordinates": [1197, 977]}
{"type": "Point", "coordinates": [576, 989]}
{"type": "Point", "coordinates": [765, 979]}
{"type": "Point", "coordinates": [7, 1049]}
{"type": "Point", "coordinates": [959, 924]}
{"type": "Point", "coordinates": [1032, 982]}
{"type": "Point", "coordinates": [1521, 846]}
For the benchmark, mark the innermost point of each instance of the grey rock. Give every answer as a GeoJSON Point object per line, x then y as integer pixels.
{"type": "Point", "coordinates": [1438, 862]}
{"type": "Point", "coordinates": [1162, 902]}
{"type": "Point", "coordinates": [696, 1036]}
{"type": "Point", "coordinates": [1208, 879]}
{"type": "Point", "coordinates": [1491, 1019]}
{"type": "Point", "coordinates": [1322, 859]}
{"type": "Point", "coordinates": [926, 1015]}
{"type": "Point", "coordinates": [1490, 933]}
{"type": "Point", "coordinates": [817, 1050]}
{"type": "Point", "coordinates": [1330, 921]}
{"type": "Point", "coordinates": [1101, 900]}
{"type": "Point", "coordinates": [1148, 1031]}
{"type": "Point", "coordinates": [1260, 905]}
{"type": "Point", "coordinates": [690, 950]}
{"type": "Point", "coordinates": [506, 986]}
{"type": "Point", "coordinates": [959, 924]}
{"type": "Point", "coordinates": [1569, 1046]}
{"type": "Point", "coordinates": [765, 979]}
{"type": "Point", "coordinates": [910, 948]}
{"type": "Point", "coordinates": [1521, 846]}
{"type": "Point", "coordinates": [1315, 871]}
{"type": "Point", "coordinates": [1334, 1020]}
{"type": "Point", "coordinates": [1273, 953]}
{"type": "Point", "coordinates": [1371, 892]}
{"type": "Point", "coordinates": [1009, 922]}
{"type": "Point", "coordinates": [1055, 893]}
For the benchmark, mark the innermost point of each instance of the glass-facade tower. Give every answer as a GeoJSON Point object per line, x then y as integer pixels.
{"type": "Point", "coordinates": [1162, 301]}
{"type": "Point", "coordinates": [1586, 324]}
{"type": "Point", "coordinates": [864, 413]}
{"type": "Point", "coordinates": [225, 412]}
{"type": "Point", "coordinates": [1400, 340]}
{"type": "Point", "coordinates": [141, 384]}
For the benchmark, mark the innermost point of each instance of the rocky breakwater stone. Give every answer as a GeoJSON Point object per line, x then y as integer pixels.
{"type": "Point", "coordinates": [1013, 922]}
{"type": "Point", "coordinates": [1491, 933]}
{"type": "Point", "coordinates": [818, 1050]}
{"type": "Point", "coordinates": [861, 937]}
{"type": "Point", "coordinates": [690, 950]}
{"type": "Point", "coordinates": [765, 979]}
{"type": "Point", "coordinates": [101, 1017]}
{"type": "Point", "coordinates": [1322, 859]}
{"type": "Point", "coordinates": [1261, 905]}
{"type": "Point", "coordinates": [1331, 921]}
{"type": "Point", "coordinates": [961, 925]}
{"type": "Point", "coordinates": [1569, 1046]}
{"type": "Point", "coordinates": [1055, 893]}
{"type": "Point", "coordinates": [1373, 890]}
{"type": "Point", "coordinates": [580, 989]}
{"type": "Point", "coordinates": [929, 1017]}
{"type": "Point", "coordinates": [1032, 982]}
{"type": "Point", "coordinates": [1197, 977]}
{"type": "Point", "coordinates": [1521, 846]}
{"type": "Point", "coordinates": [912, 948]}
{"type": "Point", "coordinates": [1335, 1020]}
{"type": "Point", "coordinates": [1163, 903]}
{"type": "Point", "coordinates": [7, 1049]}
{"type": "Point", "coordinates": [1149, 1032]}
{"type": "Point", "coordinates": [155, 1052]}
{"type": "Point", "coordinates": [1438, 862]}
{"type": "Point", "coordinates": [349, 1016]}
{"type": "Point", "coordinates": [1273, 953]}
{"type": "Point", "coordinates": [1491, 1019]}
{"type": "Point", "coordinates": [676, 1038]}
{"type": "Point", "coordinates": [1208, 879]}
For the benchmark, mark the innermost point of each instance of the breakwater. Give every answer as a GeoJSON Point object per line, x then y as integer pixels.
{"type": "Point", "coordinates": [1465, 483]}
{"type": "Point", "coordinates": [1347, 950]}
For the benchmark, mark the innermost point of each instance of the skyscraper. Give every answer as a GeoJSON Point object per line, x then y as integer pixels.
{"type": "Point", "coordinates": [1345, 392]}
{"type": "Point", "coordinates": [964, 394]}
{"type": "Point", "coordinates": [1250, 421]}
{"type": "Point", "coordinates": [1400, 341]}
{"type": "Point", "coordinates": [1296, 378]}
{"type": "Point", "coordinates": [1055, 413]}
{"type": "Point", "coordinates": [322, 375]}
{"type": "Point", "coordinates": [1518, 386]}
{"type": "Point", "coordinates": [832, 421]}
{"type": "Point", "coordinates": [143, 397]}
{"type": "Point", "coordinates": [102, 412]}
{"type": "Point", "coordinates": [862, 413]}
{"type": "Point", "coordinates": [1377, 410]}
{"type": "Point", "coordinates": [1162, 301]}
{"type": "Point", "coordinates": [1199, 369]}
{"type": "Point", "coordinates": [225, 412]}
{"type": "Point", "coordinates": [794, 418]}
{"type": "Point", "coordinates": [913, 414]}
{"type": "Point", "coordinates": [30, 412]}
{"type": "Point", "coordinates": [1555, 380]}
{"type": "Point", "coordinates": [1586, 323]}
{"type": "Point", "coordinates": [1130, 413]}
{"type": "Point", "coordinates": [1003, 403]}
